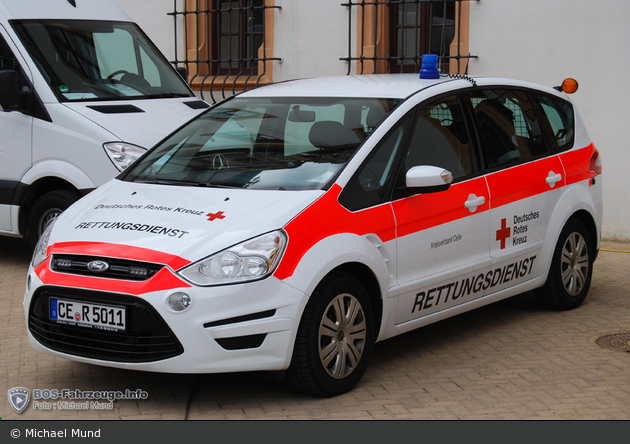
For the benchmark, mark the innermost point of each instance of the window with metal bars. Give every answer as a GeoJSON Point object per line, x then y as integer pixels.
{"type": "Point", "coordinates": [392, 35]}
{"type": "Point", "coordinates": [225, 44]}
{"type": "Point", "coordinates": [239, 25]}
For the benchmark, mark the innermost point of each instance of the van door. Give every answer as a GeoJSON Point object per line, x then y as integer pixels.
{"type": "Point", "coordinates": [15, 143]}
{"type": "Point", "coordinates": [442, 237]}
{"type": "Point", "coordinates": [525, 180]}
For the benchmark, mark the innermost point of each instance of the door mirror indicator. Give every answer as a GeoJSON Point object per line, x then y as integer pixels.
{"type": "Point", "coordinates": [430, 179]}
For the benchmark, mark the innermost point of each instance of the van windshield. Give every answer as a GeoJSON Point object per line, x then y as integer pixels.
{"type": "Point", "coordinates": [288, 143]}
{"type": "Point", "coordinates": [99, 60]}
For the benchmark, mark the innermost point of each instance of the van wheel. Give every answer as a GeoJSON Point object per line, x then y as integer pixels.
{"type": "Point", "coordinates": [334, 339]}
{"type": "Point", "coordinates": [571, 269]}
{"type": "Point", "coordinates": [45, 210]}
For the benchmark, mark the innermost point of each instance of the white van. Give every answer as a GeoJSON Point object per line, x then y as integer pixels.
{"type": "Point", "coordinates": [83, 92]}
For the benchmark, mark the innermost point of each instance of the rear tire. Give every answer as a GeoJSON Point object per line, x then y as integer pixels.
{"type": "Point", "coordinates": [334, 339]}
{"type": "Point", "coordinates": [46, 210]}
{"type": "Point", "coordinates": [571, 269]}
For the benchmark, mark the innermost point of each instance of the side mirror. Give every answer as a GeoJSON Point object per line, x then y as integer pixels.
{"type": "Point", "coordinates": [9, 90]}
{"type": "Point", "coordinates": [183, 73]}
{"type": "Point", "coordinates": [430, 179]}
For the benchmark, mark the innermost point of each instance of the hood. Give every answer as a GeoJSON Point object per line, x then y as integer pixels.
{"type": "Point", "coordinates": [189, 222]}
{"type": "Point", "coordinates": [141, 122]}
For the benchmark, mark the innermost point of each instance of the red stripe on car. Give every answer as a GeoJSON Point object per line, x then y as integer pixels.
{"type": "Point", "coordinates": [163, 280]}
{"type": "Point", "coordinates": [326, 217]}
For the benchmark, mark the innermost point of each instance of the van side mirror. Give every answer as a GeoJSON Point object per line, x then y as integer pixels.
{"type": "Point", "coordinates": [428, 179]}
{"type": "Point", "coordinates": [183, 73]}
{"type": "Point", "coordinates": [9, 90]}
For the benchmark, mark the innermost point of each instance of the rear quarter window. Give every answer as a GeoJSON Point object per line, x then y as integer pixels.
{"type": "Point", "coordinates": [508, 125]}
{"type": "Point", "coordinates": [559, 118]}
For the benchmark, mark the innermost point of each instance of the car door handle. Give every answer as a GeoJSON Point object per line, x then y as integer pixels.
{"type": "Point", "coordinates": [553, 178]}
{"type": "Point", "coordinates": [473, 202]}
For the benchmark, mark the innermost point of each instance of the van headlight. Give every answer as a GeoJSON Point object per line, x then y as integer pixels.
{"type": "Point", "coordinates": [251, 260]}
{"type": "Point", "coordinates": [123, 154]}
{"type": "Point", "coordinates": [41, 250]}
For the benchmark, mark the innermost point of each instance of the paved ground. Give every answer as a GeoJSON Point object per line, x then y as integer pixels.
{"type": "Point", "coordinates": [510, 360]}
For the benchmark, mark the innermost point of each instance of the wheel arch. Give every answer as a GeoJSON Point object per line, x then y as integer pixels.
{"type": "Point", "coordinates": [569, 275]}
{"type": "Point", "coordinates": [589, 222]}
{"type": "Point", "coordinates": [364, 257]}
{"type": "Point", "coordinates": [575, 202]}
{"type": "Point", "coordinates": [36, 190]}
{"type": "Point", "coordinates": [365, 275]}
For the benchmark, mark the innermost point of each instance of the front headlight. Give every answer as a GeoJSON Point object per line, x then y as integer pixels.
{"type": "Point", "coordinates": [251, 260]}
{"type": "Point", "coordinates": [123, 154]}
{"type": "Point", "coordinates": [40, 253]}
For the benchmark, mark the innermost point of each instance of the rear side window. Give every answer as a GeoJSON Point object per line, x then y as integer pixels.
{"type": "Point", "coordinates": [560, 121]}
{"type": "Point", "coordinates": [508, 125]}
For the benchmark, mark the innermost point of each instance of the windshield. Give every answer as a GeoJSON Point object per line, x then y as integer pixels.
{"type": "Point", "coordinates": [265, 143]}
{"type": "Point", "coordinates": [99, 60]}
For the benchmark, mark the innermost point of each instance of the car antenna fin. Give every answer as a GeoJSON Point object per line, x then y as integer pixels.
{"type": "Point", "coordinates": [73, 3]}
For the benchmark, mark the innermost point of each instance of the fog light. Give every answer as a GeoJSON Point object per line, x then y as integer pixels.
{"type": "Point", "coordinates": [179, 301]}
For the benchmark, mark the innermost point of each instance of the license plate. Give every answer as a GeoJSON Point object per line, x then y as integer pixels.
{"type": "Point", "coordinates": [103, 317]}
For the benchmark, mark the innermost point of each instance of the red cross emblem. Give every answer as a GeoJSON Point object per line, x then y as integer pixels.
{"type": "Point", "coordinates": [213, 216]}
{"type": "Point", "coordinates": [503, 233]}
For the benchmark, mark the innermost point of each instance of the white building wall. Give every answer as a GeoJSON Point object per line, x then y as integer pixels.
{"type": "Point", "coordinates": [311, 37]}
{"type": "Point", "coordinates": [546, 41]}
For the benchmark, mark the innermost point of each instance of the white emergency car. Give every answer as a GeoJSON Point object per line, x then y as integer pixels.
{"type": "Point", "coordinates": [292, 226]}
{"type": "Point", "coordinates": [83, 93]}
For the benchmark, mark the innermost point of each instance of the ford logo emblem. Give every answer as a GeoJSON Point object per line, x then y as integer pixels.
{"type": "Point", "coordinates": [98, 266]}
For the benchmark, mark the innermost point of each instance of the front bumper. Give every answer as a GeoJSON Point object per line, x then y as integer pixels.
{"type": "Point", "coordinates": [242, 327]}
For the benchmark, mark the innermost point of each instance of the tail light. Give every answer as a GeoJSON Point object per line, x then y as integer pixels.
{"type": "Point", "coordinates": [596, 163]}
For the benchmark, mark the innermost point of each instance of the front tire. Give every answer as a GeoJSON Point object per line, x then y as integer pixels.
{"type": "Point", "coordinates": [334, 339]}
{"type": "Point", "coordinates": [46, 210]}
{"type": "Point", "coordinates": [571, 269]}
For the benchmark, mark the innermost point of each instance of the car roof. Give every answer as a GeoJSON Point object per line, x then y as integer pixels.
{"type": "Point", "coordinates": [394, 86]}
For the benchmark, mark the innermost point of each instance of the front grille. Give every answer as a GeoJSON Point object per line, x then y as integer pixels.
{"type": "Point", "coordinates": [146, 339]}
{"type": "Point", "coordinates": [116, 268]}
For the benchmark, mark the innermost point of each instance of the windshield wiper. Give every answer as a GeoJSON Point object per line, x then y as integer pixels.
{"type": "Point", "coordinates": [167, 182]}
{"type": "Point", "coordinates": [185, 183]}
{"type": "Point", "coordinates": [166, 95]}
